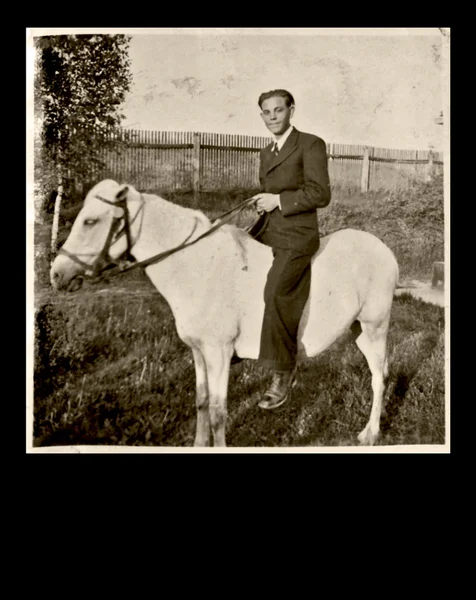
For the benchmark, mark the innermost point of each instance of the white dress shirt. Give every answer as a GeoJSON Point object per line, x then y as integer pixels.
{"type": "Point", "coordinates": [280, 141]}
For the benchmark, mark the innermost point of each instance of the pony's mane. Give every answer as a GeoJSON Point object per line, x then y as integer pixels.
{"type": "Point", "coordinates": [181, 210]}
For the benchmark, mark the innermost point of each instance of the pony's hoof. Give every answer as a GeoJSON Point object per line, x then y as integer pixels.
{"type": "Point", "coordinates": [367, 438]}
{"type": "Point", "coordinates": [201, 443]}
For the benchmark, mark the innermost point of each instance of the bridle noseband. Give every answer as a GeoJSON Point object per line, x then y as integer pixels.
{"type": "Point", "coordinates": [103, 260]}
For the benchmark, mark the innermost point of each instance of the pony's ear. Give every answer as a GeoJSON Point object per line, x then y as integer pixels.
{"type": "Point", "coordinates": [123, 191]}
{"type": "Point", "coordinates": [118, 212]}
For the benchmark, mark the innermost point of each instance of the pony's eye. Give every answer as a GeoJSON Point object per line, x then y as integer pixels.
{"type": "Point", "coordinates": [90, 221]}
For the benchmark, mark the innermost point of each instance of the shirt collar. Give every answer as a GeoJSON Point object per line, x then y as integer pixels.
{"type": "Point", "coordinates": [284, 137]}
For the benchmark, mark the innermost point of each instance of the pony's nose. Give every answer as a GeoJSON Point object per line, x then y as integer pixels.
{"type": "Point", "coordinates": [55, 279]}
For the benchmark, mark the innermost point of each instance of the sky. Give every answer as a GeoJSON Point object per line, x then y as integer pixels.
{"type": "Point", "coordinates": [375, 87]}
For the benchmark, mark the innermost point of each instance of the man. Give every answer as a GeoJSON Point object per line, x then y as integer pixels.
{"type": "Point", "coordinates": [294, 183]}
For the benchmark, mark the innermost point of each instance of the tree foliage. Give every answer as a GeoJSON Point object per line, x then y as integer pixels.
{"type": "Point", "coordinates": [81, 82]}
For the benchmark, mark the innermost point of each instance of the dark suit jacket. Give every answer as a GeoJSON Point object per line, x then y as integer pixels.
{"type": "Point", "coordinates": [299, 174]}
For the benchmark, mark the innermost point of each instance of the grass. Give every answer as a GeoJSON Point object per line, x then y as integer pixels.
{"type": "Point", "coordinates": [409, 221]}
{"type": "Point", "coordinates": [111, 370]}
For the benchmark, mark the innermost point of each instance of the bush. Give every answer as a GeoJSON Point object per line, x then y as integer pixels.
{"type": "Point", "coordinates": [410, 222]}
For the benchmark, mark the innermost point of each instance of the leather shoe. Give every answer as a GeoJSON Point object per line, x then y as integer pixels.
{"type": "Point", "coordinates": [278, 391]}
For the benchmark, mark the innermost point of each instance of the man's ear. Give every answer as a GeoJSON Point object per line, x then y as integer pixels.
{"type": "Point", "coordinates": [123, 191]}
{"type": "Point", "coordinates": [291, 112]}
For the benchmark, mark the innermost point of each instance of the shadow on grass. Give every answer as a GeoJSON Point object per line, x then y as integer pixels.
{"type": "Point", "coordinates": [254, 427]}
{"type": "Point", "coordinates": [299, 422]}
{"type": "Point", "coordinates": [395, 402]}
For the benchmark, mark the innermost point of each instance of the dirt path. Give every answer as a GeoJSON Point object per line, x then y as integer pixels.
{"type": "Point", "coordinates": [424, 291]}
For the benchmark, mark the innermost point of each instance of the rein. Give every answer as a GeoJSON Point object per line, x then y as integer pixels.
{"type": "Point", "coordinates": [97, 273]}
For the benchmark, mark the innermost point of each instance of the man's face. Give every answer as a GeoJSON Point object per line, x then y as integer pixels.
{"type": "Point", "coordinates": [276, 115]}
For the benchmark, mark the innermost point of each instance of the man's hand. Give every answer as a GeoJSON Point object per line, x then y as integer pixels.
{"type": "Point", "coordinates": [266, 202]}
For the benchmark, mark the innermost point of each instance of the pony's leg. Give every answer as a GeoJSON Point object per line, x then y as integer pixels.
{"type": "Point", "coordinates": [373, 345]}
{"type": "Point", "coordinates": [217, 359]}
{"type": "Point", "coordinates": [202, 435]}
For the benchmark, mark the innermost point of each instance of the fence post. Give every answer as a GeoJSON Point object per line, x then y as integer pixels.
{"type": "Point", "coordinates": [429, 172]}
{"type": "Point", "coordinates": [364, 182]}
{"type": "Point", "coordinates": [196, 167]}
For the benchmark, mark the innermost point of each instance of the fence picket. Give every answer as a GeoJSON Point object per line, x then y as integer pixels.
{"type": "Point", "coordinates": [159, 160]}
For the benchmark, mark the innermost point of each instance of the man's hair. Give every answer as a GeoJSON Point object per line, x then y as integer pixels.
{"type": "Point", "coordinates": [282, 93]}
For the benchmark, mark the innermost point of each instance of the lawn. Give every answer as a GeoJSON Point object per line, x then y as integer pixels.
{"type": "Point", "coordinates": [109, 368]}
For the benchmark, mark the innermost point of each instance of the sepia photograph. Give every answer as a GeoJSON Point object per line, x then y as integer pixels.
{"type": "Point", "coordinates": [238, 240]}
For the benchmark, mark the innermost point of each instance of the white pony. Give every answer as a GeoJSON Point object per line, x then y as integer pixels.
{"type": "Point", "coordinates": [215, 289]}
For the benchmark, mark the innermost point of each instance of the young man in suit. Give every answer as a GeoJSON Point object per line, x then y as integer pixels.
{"type": "Point", "coordinates": [294, 183]}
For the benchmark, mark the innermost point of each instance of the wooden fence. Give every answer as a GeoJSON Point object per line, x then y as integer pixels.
{"type": "Point", "coordinates": [162, 160]}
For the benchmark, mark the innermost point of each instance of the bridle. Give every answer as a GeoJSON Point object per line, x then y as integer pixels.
{"type": "Point", "coordinates": [104, 263]}
{"type": "Point", "coordinates": [103, 260]}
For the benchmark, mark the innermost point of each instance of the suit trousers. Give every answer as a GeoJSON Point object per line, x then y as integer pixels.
{"type": "Point", "coordinates": [285, 295]}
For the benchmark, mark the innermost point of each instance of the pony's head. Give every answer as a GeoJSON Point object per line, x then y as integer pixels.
{"type": "Point", "coordinates": [100, 235]}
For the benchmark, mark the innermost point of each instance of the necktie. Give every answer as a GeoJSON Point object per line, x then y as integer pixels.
{"type": "Point", "coordinates": [276, 149]}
